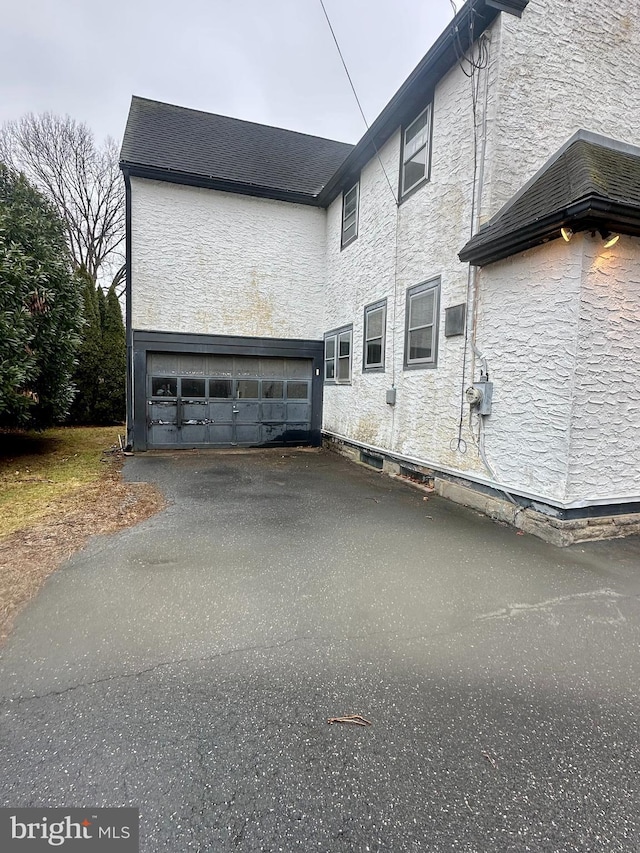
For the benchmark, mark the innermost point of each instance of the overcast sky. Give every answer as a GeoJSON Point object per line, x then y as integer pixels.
{"type": "Point", "coordinates": [270, 61]}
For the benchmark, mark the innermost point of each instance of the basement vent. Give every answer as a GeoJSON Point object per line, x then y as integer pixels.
{"type": "Point", "coordinates": [371, 460]}
{"type": "Point", "coordinates": [416, 476]}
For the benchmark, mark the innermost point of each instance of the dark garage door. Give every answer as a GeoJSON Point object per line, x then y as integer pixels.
{"type": "Point", "coordinates": [222, 401]}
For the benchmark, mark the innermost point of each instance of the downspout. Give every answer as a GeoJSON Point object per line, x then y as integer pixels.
{"type": "Point", "coordinates": [128, 326]}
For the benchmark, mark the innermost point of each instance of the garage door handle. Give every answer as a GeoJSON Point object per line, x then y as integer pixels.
{"type": "Point", "coordinates": [236, 411]}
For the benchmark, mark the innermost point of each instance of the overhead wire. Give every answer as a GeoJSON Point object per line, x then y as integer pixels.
{"type": "Point", "coordinates": [355, 95]}
{"type": "Point", "coordinates": [392, 191]}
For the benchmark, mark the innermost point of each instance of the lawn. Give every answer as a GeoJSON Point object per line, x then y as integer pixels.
{"type": "Point", "coordinates": [45, 472]}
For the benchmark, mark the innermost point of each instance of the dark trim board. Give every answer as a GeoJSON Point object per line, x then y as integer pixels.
{"type": "Point", "coordinates": [128, 329]}
{"type": "Point", "coordinates": [144, 342]}
{"type": "Point", "coordinates": [133, 170]}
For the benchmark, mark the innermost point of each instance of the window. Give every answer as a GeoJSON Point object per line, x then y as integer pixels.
{"type": "Point", "coordinates": [416, 144]}
{"type": "Point", "coordinates": [375, 321]}
{"type": "Point", "coordinates": [337, 355]}
{"type": "Point", "coordinates": [421, 339]}
{"type": "Point", "coordinates": [350, 215]}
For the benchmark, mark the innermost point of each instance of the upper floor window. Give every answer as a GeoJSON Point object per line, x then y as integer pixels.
{"type": "Point", "coordinates": [337, 355]}
{"type": "Point", "coordinates": [350, 204]}
{"type": "Point", "coordinates": [421, 336]}
{"type": "Point", "coordinates": [375, 321]}
{"type": "Point", "coordinates": [416, 144]}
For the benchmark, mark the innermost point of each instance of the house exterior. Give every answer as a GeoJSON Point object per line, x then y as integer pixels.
{"type": "Point", "coordinates": [456, 298]}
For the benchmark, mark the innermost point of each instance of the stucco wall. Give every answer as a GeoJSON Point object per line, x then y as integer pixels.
{"type": "Point", "coordinates": [558, 69]}
{"type": "Point", "coordinates": [397, 248]}
{"type": "Point", "coordinates": [220, 263]}
{"type": "Point", "coordinates": [565, 65]}
{"type": "Point", "coordinates": [528, 314]}
{"type": "Point", "coordinates": [605, 423]}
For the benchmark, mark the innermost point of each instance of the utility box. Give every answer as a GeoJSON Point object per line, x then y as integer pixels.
{"type": "Point", "coordinates": [486, 391]}
{"type": "Point", "coordinates": [391, 397]}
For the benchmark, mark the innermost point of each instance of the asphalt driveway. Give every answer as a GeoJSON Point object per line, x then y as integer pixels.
{"type": "Point", "coordinates": [188, 667]}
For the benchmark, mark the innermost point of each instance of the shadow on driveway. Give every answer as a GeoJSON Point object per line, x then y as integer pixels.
{"type": "Point", "coordinates": [188, 667]}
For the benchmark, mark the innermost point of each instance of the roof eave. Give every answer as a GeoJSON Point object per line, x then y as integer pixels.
{"type": "Point", "coordinates": [190, 179]}
{"type": "Point", "coordinates": [418, 88]}
{"type": "Point", "coordinates": [587, 214]}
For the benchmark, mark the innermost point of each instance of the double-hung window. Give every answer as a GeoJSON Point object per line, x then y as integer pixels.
{"type": "Point", "coordinates": [337, 355]}
{"type": "Point", "coordinates": [421, 336]}
{"type": "Point", "coordinates": [350, 205]}
{"type": "Point", "coordinates": [375, 321]}
{"type": "Point", "coordinates": [416, 144]}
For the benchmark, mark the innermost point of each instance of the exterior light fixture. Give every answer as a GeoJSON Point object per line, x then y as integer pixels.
{"type": "Point", "coordinates": [567, 234]}
{"type": "Point", "coordinates": [609, 239]}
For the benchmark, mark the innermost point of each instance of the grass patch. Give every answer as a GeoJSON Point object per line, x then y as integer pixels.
{"type": "Point", "coordinates": [44, 472]}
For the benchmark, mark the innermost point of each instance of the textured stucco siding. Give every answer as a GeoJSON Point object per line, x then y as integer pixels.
{"type": "Point", "coordinates": [565, 65]}
{"type": "Point", "coordinates": [528, 313]}
{"type": "Point", "coordinates": [605, 425]}
{"type": "Point", "coordinates": [397, 248]}
{"type": "Point", "coordinates": [220, 263]}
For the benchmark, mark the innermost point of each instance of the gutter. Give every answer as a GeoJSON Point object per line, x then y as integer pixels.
{"type": "Point", "coordinates": [589, 214]}
{"type": "Point", "coordinates": [417, 90]}
{"type": "Point", "coordinates": [128, 319]}
{"type": "Point", "coordinates": [190, 179]}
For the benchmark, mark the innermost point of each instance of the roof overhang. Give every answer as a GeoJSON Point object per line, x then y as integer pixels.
{"type": "Point", "coordinates": [592, 213]}
{"type": "Point", "coordinates": [417, 91]}
{"type": "Point", "coordinates": [172, 176]}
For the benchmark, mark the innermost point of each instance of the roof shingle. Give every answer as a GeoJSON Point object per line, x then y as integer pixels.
{"type": "Point", "coordinates": [183, 141]}
{"type": "Point", "coordinates": [590, 182]}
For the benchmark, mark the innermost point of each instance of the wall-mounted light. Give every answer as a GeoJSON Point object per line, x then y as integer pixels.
{"type": "Point", "coordinates": [567, 234]}
{"type": "Point", "coordinates": [609, 239]}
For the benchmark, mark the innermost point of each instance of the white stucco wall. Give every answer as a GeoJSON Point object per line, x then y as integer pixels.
{"type": "Point", "coordinates": [605, 424]}
{"type": "Point", "coordinates": [551, 73]}
{"type": "Point", "coordinates": [565, 65]}
{"type": "Point", "coordinates": [527, 330]}
{"type": "Point", "coordinates": [221, 263]}
{"type": "Point", "coordinates": [397, 248]}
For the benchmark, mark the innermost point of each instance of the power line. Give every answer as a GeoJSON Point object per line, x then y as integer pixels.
{"type": "Point", "coordinates": [355, 94]}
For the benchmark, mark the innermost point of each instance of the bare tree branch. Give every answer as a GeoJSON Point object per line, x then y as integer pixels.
{"type": "Point", "coordinates": [83, 181]}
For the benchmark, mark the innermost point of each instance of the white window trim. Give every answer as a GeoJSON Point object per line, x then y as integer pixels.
{"type": "Point", "coordinates": [354, 236]}
{"type": "Point", "coordinates": [335, 335]}
{"type": "Point", "coordinates": [416, 290]}
{"type": "Point", "coordinates": [410, 153]}
{"type": "Point", "coordinates": [380, 305]}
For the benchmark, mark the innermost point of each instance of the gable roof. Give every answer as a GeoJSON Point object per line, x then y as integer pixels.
{"type": "Point", "coordinates": [591, 183]}
{"type": "Point", "coordinates": [189, 146]}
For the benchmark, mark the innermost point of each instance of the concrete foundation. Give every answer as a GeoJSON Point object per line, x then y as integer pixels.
{"type": "Point", "coordinates": [560, 532]}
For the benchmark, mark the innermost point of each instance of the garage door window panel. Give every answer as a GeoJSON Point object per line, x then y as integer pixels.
{"type": "Point", "coordinates": [165, 386]}
{"type": "Point", "coordinates": [192, 387]}
{"type": "Point", "coordinates": [273, 390]}
{"type": "Point", "coordinates": [220, 389]}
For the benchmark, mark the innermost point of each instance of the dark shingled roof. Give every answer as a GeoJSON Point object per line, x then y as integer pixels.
{"type": "Point", "coordinates": [591, 183]}
{"type": "Point", "coordinates": [176, 142]}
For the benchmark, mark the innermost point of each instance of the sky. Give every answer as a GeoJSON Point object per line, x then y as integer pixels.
{"type": "Point", "coordinates": [269, 61]}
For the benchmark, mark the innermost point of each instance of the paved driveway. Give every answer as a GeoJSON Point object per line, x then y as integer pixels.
{"type": "Point", "coordinates": [188, 666]}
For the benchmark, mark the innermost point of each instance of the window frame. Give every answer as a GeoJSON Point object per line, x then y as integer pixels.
{"type": "Point", "coordinates": [335, 335]}
{"type": "Point", "coordinates": [405, 192]}
{"type": "Point", "coordinates": [347, 242]}
{"type": "Point", "coordinates": [432, 284]}
{"type": "Point", "coordinates": [380, 304]}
